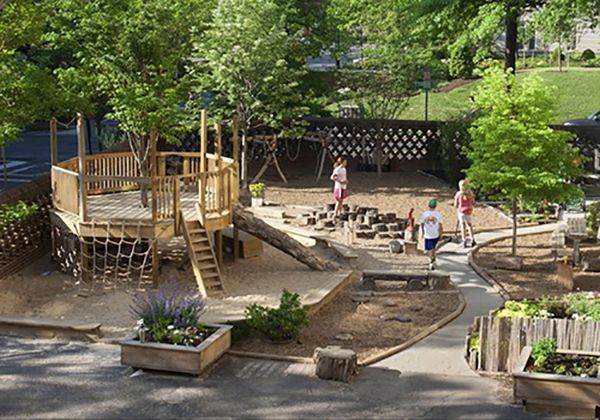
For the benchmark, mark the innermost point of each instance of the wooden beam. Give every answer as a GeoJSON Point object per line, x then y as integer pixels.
{"type": "Point", "coordinates": [155, 265]}
{"type": "Point", "coordinates": [236, 243]}
{"type": "Point", "coordinates": [81, 168]}
{"type": "Point", "coordinates": [218, 154]}
{"type": "Point", "coordinates": [153, 173]}
{"type": "Point", "coordinates": [53, 142]}
{"type": "Point", "coordinates": [203, 139]}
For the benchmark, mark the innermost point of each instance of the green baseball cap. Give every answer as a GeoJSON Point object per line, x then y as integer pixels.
{"type": "Point", "coordinates": [432, 203]}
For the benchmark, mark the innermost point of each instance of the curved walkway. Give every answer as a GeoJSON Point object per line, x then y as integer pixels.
{"type": "Point", "coordinates": [442, 352]}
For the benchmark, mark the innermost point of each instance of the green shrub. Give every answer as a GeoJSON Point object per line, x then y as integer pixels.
{"type": "Point", "coordinates": [10, 213]}
{"type": "Point", "coordinates": [474, 342]}
{"type": "Point", "coordinates": [543, 350]}
{"type": "Point", "coordinates": [591, 219]}
{"type": "Point", "coordinates": [278, 324]}
{"type": "Point", "coordinates": [587, 55]}
{"type": "Point", "coordinates": [257, 190]}
{"type": "Point", "coordinates": [582, 306]}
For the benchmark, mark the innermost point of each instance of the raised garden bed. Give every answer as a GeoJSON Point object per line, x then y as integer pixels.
{"type": "Point", "coordinates": [176, 358]}
{"type": "Point", "coordinates": [558, 394]}
{"type": "Point", "coordinates": [494, 342]}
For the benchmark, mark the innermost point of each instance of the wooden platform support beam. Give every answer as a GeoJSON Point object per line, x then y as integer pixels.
{"type": "Point", "coordinates": [203, 139]}
{"type": "Point", "coordinates": [155, 265]}
{"type": "Point", "coordinates": [81, 153]}
{"type": "Point", "coordinates": [53, 142]}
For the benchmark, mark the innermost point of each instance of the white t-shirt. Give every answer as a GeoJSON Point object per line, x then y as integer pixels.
{"type": "Point", "coordinates": [430, 220]}
{"type": "Point", "coordinates": [340, 175]}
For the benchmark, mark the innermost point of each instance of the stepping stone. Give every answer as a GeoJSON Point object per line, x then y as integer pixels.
{"type": "Point", "coordinates": [380, 227]}
{"type": "Point", "coordinates": [416, 308]}
{"type": "Point", "coordinates": [402, 318]}
{"type": "Point", "coordinates": [360, 299]}
{"type": "Point", "coordinates": [344, 337]}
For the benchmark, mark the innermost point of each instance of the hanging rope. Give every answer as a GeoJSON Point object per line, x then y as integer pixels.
{"type": "Point", "coordinates": [114, 262]}
{"type": "Point", "coordinates": [287, 150]}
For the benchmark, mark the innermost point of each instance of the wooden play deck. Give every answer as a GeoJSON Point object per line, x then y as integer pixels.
{"type": "Point", "coordinates": [189, 194]}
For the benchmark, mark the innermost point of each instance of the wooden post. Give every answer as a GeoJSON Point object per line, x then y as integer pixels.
{"type": "Point", "coordinates": [177, 204]}
{"type": "Point", "coordinates": [155, 265]}
{"type": "Point", "coordinates": [236, 243]}
{"type": "Point", "coordinates": [81, 168]}
{"type": "Point", "coordinates": [218, 148]}
{"type": "Point", "coordinates": [53, 142]}
{"type": "Point", "coordinates": [153, 178]}
{"type": "Point", "coordinates": [219, 246]}
{"type": "Point", "coordinates": [203, 139]}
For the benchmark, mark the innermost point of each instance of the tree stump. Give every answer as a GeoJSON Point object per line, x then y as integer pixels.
{"type": "Point", "coordinates": [335, 363]}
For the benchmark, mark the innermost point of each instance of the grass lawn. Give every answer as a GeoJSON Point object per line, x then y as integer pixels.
{"type": "Point", "coordinates": [577, 95]}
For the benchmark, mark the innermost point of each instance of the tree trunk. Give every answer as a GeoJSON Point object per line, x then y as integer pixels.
{"type": "Point", "coordinates": [510, 47]}
{"type": "Point", "coordinates": [247, 222]}
{"type": "Point", "coordinates": [88, 128]}
{"type": "Point", "coordinates": [514, 228]}
{"type": "Point", "coordinates": [243, 159]}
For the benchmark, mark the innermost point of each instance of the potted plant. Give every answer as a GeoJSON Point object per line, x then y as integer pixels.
{"type": "Point", "coordinates": [561, 382]}
{"type": "Point", "coordinates": [257, 193]}
{"type": "Point", "coordinates": [169, 335]}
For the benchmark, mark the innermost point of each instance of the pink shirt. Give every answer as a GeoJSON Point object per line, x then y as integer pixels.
{"type": "Point", "coordinates": [464, 202]}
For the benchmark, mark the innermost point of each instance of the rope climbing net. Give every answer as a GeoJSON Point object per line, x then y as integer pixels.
{"type": "Point", "coordinates": [113, 261]}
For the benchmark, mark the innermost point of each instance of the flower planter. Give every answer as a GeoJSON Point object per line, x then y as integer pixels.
{"type": "Point", "coordinates": [257, 201]}
{"type": "Point", "coordinates": [556, 394]}
{"type": "Point", "coordinates": [172, 358]}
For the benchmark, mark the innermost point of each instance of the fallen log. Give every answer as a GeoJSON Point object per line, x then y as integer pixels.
{"type": "Point", "coordinates": [251, 224]}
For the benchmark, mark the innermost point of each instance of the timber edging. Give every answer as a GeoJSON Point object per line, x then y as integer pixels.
{"type": "Point", "coordinates": [50, 328]}
{"type": "Point", "coordinates": [483, 273]}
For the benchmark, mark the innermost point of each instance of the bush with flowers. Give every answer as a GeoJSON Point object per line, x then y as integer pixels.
{"type": "Point", "coordinates": [170, 315]}
{"type": "Point", "coordinates": [582, 306]}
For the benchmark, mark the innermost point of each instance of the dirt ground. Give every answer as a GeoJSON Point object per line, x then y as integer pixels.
{"type": "Point", "coordinates": [394, 192]}
{"type": "Point", "coordinates": [363, 327]}
{"type": "Point", "coordinates": [539, 270]}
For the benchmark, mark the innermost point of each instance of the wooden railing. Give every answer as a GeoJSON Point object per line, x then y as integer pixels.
{"type": "Point", "coordinates": [217, 186]}
{"type": "Point", "coordinates": [116, 166]}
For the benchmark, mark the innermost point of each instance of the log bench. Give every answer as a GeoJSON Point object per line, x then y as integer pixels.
{"type": "Point", "coordinates": [430, 280]}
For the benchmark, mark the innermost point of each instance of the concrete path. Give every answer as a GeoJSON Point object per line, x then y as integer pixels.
{"type": "Point", "coordinates": [442, 352]}
{"type": "Point", "coordinates": [48, 379]}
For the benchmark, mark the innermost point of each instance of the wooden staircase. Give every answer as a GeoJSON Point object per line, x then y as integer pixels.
{"type": "Point", "coordinates": [202, 256]}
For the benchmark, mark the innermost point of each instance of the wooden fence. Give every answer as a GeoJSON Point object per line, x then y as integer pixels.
{"type": "Point", "coordinates": [23, 241]}
{"type": "Point", "coordinates": [502, 339]}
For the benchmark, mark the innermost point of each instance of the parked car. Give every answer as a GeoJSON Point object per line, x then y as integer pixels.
{"type": "Point", "coordinates": [591, 121]}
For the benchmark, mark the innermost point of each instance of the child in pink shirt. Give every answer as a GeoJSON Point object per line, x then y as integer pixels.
{"type": "Point", "coordinates": [464, 201]}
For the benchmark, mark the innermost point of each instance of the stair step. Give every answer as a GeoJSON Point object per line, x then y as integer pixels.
{"type": "Point", "coordinates": [207, 266]}
{"type": "Point", "coordinates": [195, 231]}
{"type": "Point", "coordinates": [199, 239]}
{"type": "Point", "coordinates": [210, 275]}
{"type": "Point", "coordinates": [201, 249]}
{"type": "Point", "coordinates": [204, 257]}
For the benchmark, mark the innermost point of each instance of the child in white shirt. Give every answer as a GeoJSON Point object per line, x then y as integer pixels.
{"type": "Point", "coordinates": [432, 230]}
{"type": "Point", "coordinates": [340, 186]}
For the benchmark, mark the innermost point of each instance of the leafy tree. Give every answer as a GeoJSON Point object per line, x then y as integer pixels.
{"type": "Point", "coordinates": [245, 63]}
{"type": "Point", "coordinates": [457, 19]}
{"type": "Point", "coordinates": [557, 22]}
{"type": "Point", "coordinates": [132, 54]}
{"type": "Point", "coordinates": [514, 154]}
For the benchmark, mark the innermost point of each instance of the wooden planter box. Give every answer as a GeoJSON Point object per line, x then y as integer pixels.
{"type": "Point", "coordinates": [171, 358]}
{"type": "Point", "coordinates": [556, 394]}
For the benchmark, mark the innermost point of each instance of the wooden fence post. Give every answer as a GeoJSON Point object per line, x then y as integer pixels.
{"type": "Point", "coordinates": [81, 167]}
{"type": "Point", "coordinates": [53, 142]}
{"type": "Point", "coordinates": [218, 149]}
{"type": "Point", "coordinates": [203, 139]}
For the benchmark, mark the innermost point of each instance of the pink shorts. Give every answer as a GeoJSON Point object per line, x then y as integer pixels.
{"type": "Point", "coordinates": [340, 193]}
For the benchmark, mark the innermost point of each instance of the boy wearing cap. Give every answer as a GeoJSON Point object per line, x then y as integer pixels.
{"type": "Point", "coordinates": [432, 229]}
